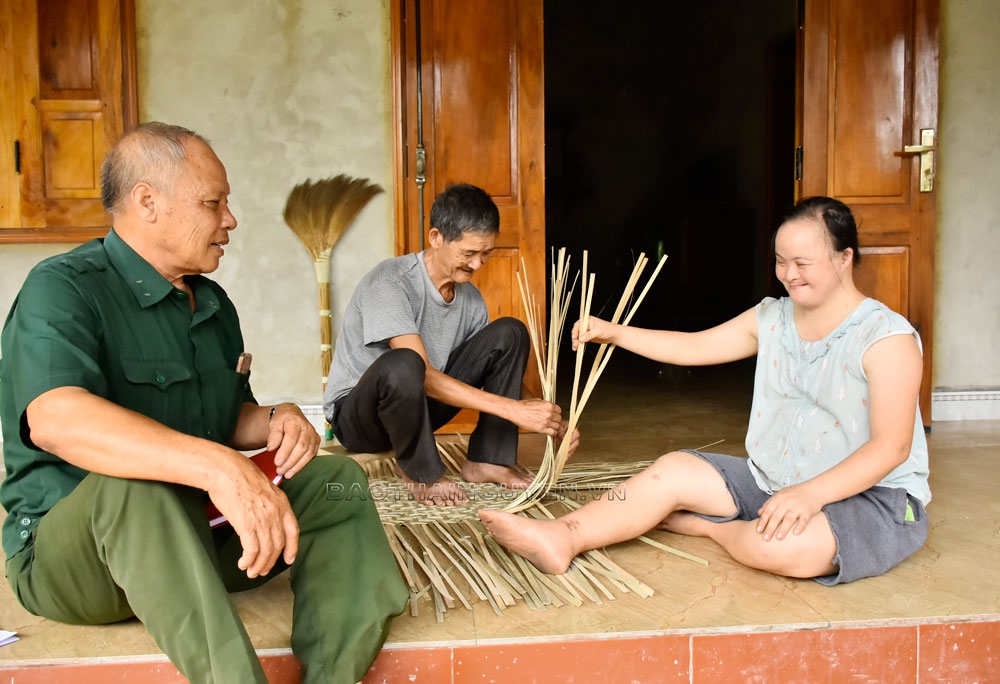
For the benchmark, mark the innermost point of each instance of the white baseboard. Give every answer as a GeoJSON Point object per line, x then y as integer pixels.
{"type": "Point", "coordinates": [965, 405]}
{"type": "Point", "coordinates": [314, 412]}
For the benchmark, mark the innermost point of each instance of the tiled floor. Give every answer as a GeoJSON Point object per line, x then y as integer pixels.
{"type": "Point", "coordinates": [935, 618]}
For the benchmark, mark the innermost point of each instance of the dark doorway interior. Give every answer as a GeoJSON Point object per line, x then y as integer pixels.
{"type": "Point", "coordinates": [670, 126]}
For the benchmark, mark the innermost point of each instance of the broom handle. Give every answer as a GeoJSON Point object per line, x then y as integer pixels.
{"type": "Point", "coordinates": [322, 265]}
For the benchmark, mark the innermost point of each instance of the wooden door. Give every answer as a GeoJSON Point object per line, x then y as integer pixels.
{"type": "Point", "coordinates": [468, 108]}
{"type": "Point", "coordinates": [868, 90]}
{"type": "Point", "coordinates": [71, 87]}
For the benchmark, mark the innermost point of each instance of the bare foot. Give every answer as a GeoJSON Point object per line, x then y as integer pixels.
{"type": "Point", "coordinates": [474, 471]}
{"type": "Point", "coordinates": [442, 492]}
{"type": "Point", "coordinates": [683, 522]}
{"type": "Point", "coordinates": [546, 543]}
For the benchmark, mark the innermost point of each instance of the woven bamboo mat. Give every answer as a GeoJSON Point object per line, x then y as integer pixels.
{"type": "Point", "coordinates": [448, 559]}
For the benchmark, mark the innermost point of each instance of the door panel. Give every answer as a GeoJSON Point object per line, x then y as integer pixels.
{"type": "Point", "coordinates": [872, 93]}
{"type": "Point", "coordinates": [479, 117]}
{"type": "Point", "coordinates": [885, 270]}
{"type": "Point", "coordinates": [868, 87]}
{"type": "Point", "coordinates": [475, 91]}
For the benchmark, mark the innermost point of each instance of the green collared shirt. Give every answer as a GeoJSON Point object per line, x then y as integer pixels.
{"type": "Point", "coordinates": [101, 318]}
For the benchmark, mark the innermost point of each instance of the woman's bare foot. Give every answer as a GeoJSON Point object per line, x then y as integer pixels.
{"type": "Point", "coordinates": [546, 543]}
{"type": "Point", "coordinates": [474, 471]}
{"type": "Point", "coordinates": [442, 492]}
{"type": "Point", "coordinates": [683, 522]}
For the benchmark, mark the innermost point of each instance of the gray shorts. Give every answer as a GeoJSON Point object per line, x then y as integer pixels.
{"type": "Point", "coordinates": [875, 530]}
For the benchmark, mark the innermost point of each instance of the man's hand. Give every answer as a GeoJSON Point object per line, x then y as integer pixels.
{"type": "Point", "coordinates": [574, 439]}
{"type": "Point", "coordinates": [291, 434]}
{"type": "Point", "coordinates": [537, 415]}
{"type": "Point", "coordinates": [788, 510]}
{"type": "Point", "coordinates": [259, 513]}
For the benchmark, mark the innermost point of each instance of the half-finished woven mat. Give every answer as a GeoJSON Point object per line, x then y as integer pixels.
{"type": "Point", "coordinates": [447, 558]}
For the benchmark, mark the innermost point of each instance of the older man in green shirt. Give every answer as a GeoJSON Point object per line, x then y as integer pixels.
{"type": "Point", "coordinates": [124, 410]}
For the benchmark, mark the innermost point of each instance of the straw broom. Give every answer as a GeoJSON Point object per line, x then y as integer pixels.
{"type": "Point", "coordinates": [319, 213]}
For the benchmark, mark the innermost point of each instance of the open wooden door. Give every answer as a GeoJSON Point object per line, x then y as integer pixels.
{"type": "Point", "coordinates": [468, 108]}
{"type": "Point", "coordinates": [867, 124]}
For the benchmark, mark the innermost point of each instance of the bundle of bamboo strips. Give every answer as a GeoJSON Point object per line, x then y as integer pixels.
{"type": "Point", "coordinates": [554, 460]}
{"type": "Point", "coordinates": [319, 213]}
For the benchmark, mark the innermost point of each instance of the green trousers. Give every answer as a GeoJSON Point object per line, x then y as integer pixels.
{"type": "Point", "coordinates": [118, 548]}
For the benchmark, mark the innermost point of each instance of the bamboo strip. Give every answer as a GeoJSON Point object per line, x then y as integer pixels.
{"type": "Point", "coordinates": [433, 531]}
{"type": "Point", "coordinates": [670, 549]}
{"type": "Point", "coordinates": [428, 532]}
{"type": "Point", "coordinates": [415, 556]}
{"type": "Point", "coordinates": [506, 584]}
{"type": "Point", "coordinates": [571, 595]}
{"type": "Point", "coordinates": [615, 580]}
{"type": "Point", "coordinates": [503, 585]}
{"type": "Point", "coordinates": [519, 568]}
{"type": "Point", "coordinates": [535, 591]}
{"type": "Point", "coordinates": [450, 461]}
{"type": "Point", "coordinates": [414, 595]}
{"type": "Point", "coordinates": [572, 576]}
{"type": "Point", "coordinates": [435, 578]}
{"type": "Point", "coordinates": [638, 587]}
{"type": "Point", "coordinates": [439, 608]}
{"type": "Point", "coordinates": [583, 567]}
{"type": "Point", "coordinates": [405, 567]}
{"type": "Point", "coordinates": [559, 596]}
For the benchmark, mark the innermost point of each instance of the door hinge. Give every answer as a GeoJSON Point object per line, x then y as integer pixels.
{"type": "Point", "coordinates": [17, 156]}
{"type": "Point", "coordinates": [800, 14]}
{"type": "Point", "coordinates": [798, 163]}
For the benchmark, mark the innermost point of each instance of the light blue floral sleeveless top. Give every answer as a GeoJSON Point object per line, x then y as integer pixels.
{"type": "Point", "coordinates": [810, 402]}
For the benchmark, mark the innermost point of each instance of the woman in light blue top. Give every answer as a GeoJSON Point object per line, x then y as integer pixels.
{"type": "Point", "coordinates": [835, 483]}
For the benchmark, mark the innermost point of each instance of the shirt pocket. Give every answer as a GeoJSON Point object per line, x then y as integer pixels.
{"type": "Point", "coordinates": [155, 388]}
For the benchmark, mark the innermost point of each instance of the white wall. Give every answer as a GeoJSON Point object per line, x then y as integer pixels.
{"type": "Point", "coordinates": [967, 283]}
{"type": "Point", "coordinates": [291, 89]}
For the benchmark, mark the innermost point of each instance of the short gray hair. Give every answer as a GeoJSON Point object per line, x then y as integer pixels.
{"type": "Point", "coordinates": [151, 152]}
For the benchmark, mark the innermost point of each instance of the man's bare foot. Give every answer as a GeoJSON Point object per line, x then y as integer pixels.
{"type": "Point", "coordinates": [546, 543]}
{"type": "Point", "coordinates": [683, 522]}
{"type": "Point", "coordinates": [442, 492]}
{"type": "Point", "coordinates": [474, 471]}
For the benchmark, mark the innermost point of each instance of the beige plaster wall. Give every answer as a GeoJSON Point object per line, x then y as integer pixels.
{"type": "Point", "coordinates": [291, 89]}
{"type": "Point", "coordinates": [285, 90]}
{"type": "Point", "coordinates": [967, 282]}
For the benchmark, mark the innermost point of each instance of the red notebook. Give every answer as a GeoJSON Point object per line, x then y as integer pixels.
{"type": "Point", "coordinates": [264, 461]}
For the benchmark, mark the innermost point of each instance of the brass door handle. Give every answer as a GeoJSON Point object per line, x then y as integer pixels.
{"type": "Point", "coordinates": [926, 150]}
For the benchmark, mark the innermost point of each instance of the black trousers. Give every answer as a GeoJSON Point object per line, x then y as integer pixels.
{"type": "Point", "coordinates": [389, 408]}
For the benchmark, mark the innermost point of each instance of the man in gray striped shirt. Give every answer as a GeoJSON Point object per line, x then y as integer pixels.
{"type": "Point", "coordinates": [416, 346]}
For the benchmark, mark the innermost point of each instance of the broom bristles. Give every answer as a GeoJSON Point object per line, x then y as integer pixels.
{"type": "Point", "coordinates": [320, 212]}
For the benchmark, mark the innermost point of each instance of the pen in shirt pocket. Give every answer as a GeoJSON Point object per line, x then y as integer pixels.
{"type": "Point", "coordinates": [243, 363]}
